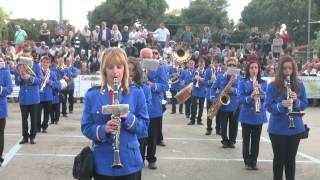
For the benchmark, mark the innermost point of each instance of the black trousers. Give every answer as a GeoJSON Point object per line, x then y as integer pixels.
{"type": "Point", "coordinates": [174, 102]}
{"type": "Point", "coordinates": [209, 121]}
{"type": "Point", "coordinates": [25, 111]}
{"type": "Point", "coordinates": [55, 113]}
{"type": "Point", "coordinates": [188, 107]}
{"type": "Point", "coordinates": [67, 95]}
{"type": "Point", "coordinates": [2, 126]}
{"type": "Point", "coordinates": [126, 177]}
{"type": "Point", "coordinates": [194, 107]}
{"type": "Point", "coordinates": [231, 118]}
{"type": "Point", "coordinates": [143, 146]}
{"type": "Point", "coordinates": [46, 107]}
{"type": "Point", "coordinates": [284, 155]}
{"type": "Point", "coordinates": [153, 132]}
{"type": "Point", "coordinates": [114, 44]}
{"type": "Point", "coordinates": [160, 135]}
{"type": "Point", "coordinates": [250, 144]}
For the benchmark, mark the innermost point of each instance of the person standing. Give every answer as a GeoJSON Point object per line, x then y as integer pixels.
{"type": "Point", "coordinates": [20, 36]}
{"type": "Point", "coordinates": [285, 141]}
{"type": "Point", "coordinates": [29, 96]}
{"type": "Point", "coordinates": [252, 112]}
{"type": "Point", "coordinates": [101, 128]}
{"type": "Point", "coordinates": [5, 89]}
{"type": "Point", "coordinates": [104, 36]}
{"type": "Point", "coordinates": [163, 35]}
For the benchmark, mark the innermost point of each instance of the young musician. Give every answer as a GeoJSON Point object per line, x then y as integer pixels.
{"type": "Point", "coordinates": [5, 90]}
{"type": "Point", "coordinates": [69, 75]}
{"type": "Point", "coordinates": [29, 96]}
{"type": "Point", "coordinates": [46, 93]}
{"type": "Point", "coordinates": [198, 94]}
{"type": "Point", "coordinates": [175, 87]}
{"type": "Point", "coordinates": [211, 75]}
{"type": "Point", "coordinates": [101, 129]}
{"type": "Point", "coordinates": [229, 112]}
{"type": "Point", "coordinates": [285, 141]}
{"type": "Point", "coordinates": [185, 79]}
{"type": "Point", "coordinates": [252, 112]}
{"type": "Point", "coordinates": [158, 82]}
{"type": "Point", "coordinates": [136, 81]}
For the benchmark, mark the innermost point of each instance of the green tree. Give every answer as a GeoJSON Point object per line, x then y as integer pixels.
{"type": "Point", "coordinates": [210, 13]}
{"type": "Point", "coordinates": [317, 41]}
{"type": "Point", "coordinates": [124, 12]}
{"type": "Point", "coordinates": [273, 13]}
{"type": "Point", "coordinates": [3, 17]}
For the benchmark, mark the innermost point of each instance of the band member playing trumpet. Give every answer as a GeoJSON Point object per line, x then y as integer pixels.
{"type": "Point", "coordinates": [101, 129]}
{"type": "Point", "coordinates": [211, 75]}
{"type": "Point", "coordinates": [5, 89]}
{"type": "Point", "coordinates": [285, 141]}
{"type": "Point", "coordinates": [175, 87]}
{"type": "Point", "coordinates": [46, 93]}
{"type": "Point", "coordinates": [252, 112]}
{"type": "Point", "coordinates": [185, 79]}
{"type": "Point", "coordinates": [70, 74]}
{"type": "Point", "coordinates": [229, 108]}
{"type": "Point", "coordinates": [29, 96]}
{"type": "Point", "coordinates": [198, 94]}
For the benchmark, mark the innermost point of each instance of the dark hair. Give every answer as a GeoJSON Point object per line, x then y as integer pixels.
{"type": "Point", "coordinates": [247, 73]}
{"type": "Point", "coordinates": [138, 79]}
{"type": "Point", "coordinates": [280, 78]}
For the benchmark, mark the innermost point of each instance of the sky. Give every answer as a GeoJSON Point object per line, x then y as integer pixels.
{"type": "Point", "coordinates": [77, 15]}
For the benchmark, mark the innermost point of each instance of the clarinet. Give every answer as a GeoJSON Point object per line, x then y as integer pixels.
{"type": "Point", "coordinates": [116, 143]}
{"type": "Point", "coordinates": [290, 108]}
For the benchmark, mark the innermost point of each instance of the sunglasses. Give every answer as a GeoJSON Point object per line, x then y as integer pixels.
{"type": "Point", "coordinates": [155, 53]}
{"type": "Point", "coordinates": [231, 65]}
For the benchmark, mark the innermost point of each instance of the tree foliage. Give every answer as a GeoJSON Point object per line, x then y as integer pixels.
{"type": "Point", "coordinates": [317, 41]}
{"type": "Point", "coordinates": [124, 12]}
{"type": "Point", "coordinates": [3, 17]}
{"type": "Point", "coordinates": [272, 13]}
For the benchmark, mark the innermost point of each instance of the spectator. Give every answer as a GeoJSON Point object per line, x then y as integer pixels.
{"type": "Point", "coordinates": [41, 48]}
{"type": "Point", "coordinates": [131, 50]}
{"type": "Point", "coordinates": [225, 38]}
{"type": "Point", "coordinates": [187, 36]}
{"type": "Point", "coordinates": [104, 36]}
{"type": "Point", "coordinates": [44, 34]}
{"type": "Point", "coordinates": [163, 35]}
{"type": "Point", "coordinates": [86, 35]}
{"type": "Point", "coordinates": [116, 36]}
{"type": "Point", "coordinates": [125, 36]}
{"type": "Point", "coordinates": [276, 47]}
{"type": "Point", "coordinates": [256, 39]}
{"type": "Point", "coordinates": [20, 36]}
{"type": "Point", "coordinates": [206, 37]}
{"type": "Point", "coordinates": [94, 65]}
{"type": "Point", "coordinates": [76, 42]}
{"type": "Point", "coordinates": [95, 38]}
{"type": "Point", "coordinates": [83, 56]}
{"type": "Point", "coordinates": [84, 69]}
{"type": "Point", "coordinates": [77, 63]}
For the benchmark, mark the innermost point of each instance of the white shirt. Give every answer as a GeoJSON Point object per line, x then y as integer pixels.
{"type": "Point", "coordinates": [162, 34]}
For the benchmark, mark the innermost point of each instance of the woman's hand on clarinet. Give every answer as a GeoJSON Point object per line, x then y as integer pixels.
{"type": "Point", "coordinates": [287, 103]}
{"type": "Point", "coordinates": [111, 126]}
{"type": "Point", "coordinates": [293, 95]}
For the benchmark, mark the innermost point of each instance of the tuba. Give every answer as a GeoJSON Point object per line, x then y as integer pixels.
{"type": "Point", "coordinates": [181, 53]}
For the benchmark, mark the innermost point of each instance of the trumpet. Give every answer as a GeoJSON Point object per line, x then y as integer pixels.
{"type": "Point", "coordinates": [175, 77]}
{"type": "Point", "coordinates": [26, 64]}
{"type": "Point", "coordinates": [45, 81]}
{"type": "Point", "coordinates": [196, 82]}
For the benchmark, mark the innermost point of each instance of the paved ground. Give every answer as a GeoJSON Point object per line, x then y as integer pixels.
{"type": "Point", "coordinates": [189, 154]}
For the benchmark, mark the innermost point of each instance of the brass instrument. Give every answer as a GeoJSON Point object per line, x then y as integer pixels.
{"type": "Point", "coordinates": [116, 110]}
{"type": "Point", "coordinates": [223, 99]}
{"type": "Point", "coordinates": [175, 77]}
{"type": "Point", "coordinates": [45, 81]}
{"type": "Point", "coordinates": [26, 64]}
{"type": "Point", "coordinates": [257, 96]}
{"type": "Point", "coordinates": [181, 53]}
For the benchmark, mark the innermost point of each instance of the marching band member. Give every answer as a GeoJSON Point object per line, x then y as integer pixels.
{"type": "Point", "coordinates": [185, 79]}
{"type": "Point", "coordinates": [101, 129]}
{"type": "Point", "coordinates": [46, 94]}
{"type": "Point", "coordinates": [252, 113]}
{"type": "Point", "coordinates": [55, 104]}
{"type": "Point", "coordinates": [229, 113]}
{"type": "Point", "coordinates": [60, 70]}
{"type": "Point", "coordinates": [198, 93]}
{"type": "Point", "coordinates": [5, 89]}
{"type": "Point", "coordinates": [158, 83]}
{"type": "Point", "coordinates": [175, 87]}
{"type": "Point", "coordinates": [285, 141]}
{"type": "Point", "coordinates": [136, 77]}
{"type": "Point", "coordinates": [70, 74]}
{"type": "Point", "coordinates": [211, 75]}
{"type": "Point", "coordinates": [29, 96]}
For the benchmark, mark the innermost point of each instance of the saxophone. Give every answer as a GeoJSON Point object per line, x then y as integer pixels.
{"type": "Point", "coordinates": [223, 99]}
{"type": "Point", "coordinates": [45, 81]}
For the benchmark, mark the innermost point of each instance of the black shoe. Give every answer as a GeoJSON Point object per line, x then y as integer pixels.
{"type": "Point", "coordinates": [32, 141]}
{"type": "Point", "coordinates": [51, 122]}
{"type": "Point", "coordinates": [208, 133]}
{"type": "Point", "coordinates": [173, 112]}
{"type": "Point", "coordinates": [38, 130]}
{"type": "Point", "coordinates": [225, 145]}
{"type": "Point", "coordinates": [199, 123]}
{"type": "Point", "coordinates": [187, 116]}
{"type": "Point", "coordinates": [190, 123]}
{"type": "Point", "coordinates": [1, 161]}
{"type": "Point", "coordinates": [70, 112]}
{"type": "Point", "coordinates": [152, 165]}
{"type": "Point", "coordinates": [180, 112]}
{"type": "Point", "coordinates": [247, 167]}
{"type": "Point", "coordinates": [231, 145]}
{"type": "Point", "coordinates": [44, 131]}
{"type": "Point", "coordinates": [56, 122]}
{"type": "Point", "coordinates": [65, 115]}
{"type": "Point", "coordinates": [161, 143]}
{"type": "Point", "coordinates": [23, 141]}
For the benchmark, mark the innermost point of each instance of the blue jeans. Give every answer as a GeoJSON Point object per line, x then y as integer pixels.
{"type": "Point", "coordinates": [162, 44]}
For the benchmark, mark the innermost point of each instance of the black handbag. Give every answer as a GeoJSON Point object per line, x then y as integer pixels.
{"type": "Point", "coordinates": [83, 165]}
{"type": "Point", "coordinates": [305, 134]}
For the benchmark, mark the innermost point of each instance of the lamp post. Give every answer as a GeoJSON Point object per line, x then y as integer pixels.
{"type": "Point", "coordinates": [60, 12]}
{"type": "Point", "coordinates": [309, 17]}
